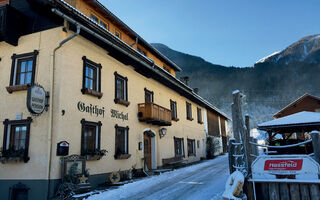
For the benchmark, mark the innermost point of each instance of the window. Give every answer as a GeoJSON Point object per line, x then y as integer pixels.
{"type": "Point", "coordinates": [179, 147]}
{"type": "Point", "coordinates": [142, 52]}
{"type": "Point", "coordinates": [198, 144]}
{"type": "Point", "coordinates": [94, 18]}
{"type": "Point", "coordinates": [16, 139]}
{"type": "Point", "coordinates": [166, 68]}
{"type": "Point", "coordinates": [22, 71]}
{"type": "Point", "coordinates": [121, 90]}
{"type": "Point", "coordinates": [189, 111]}
{"type": "Point", "coordinates": [104, 25]}
{"type": "Point", "coordinates": [90, 137]}
{"type": "Point", "coordinates": [191, 147]}
{"type": "Point", "coordinates": [173, 107]}
{"type": "Point", "coordinates": [117, 34]}
{"type": "Point", "coordinates": [122, 141]}
{"type": "Point", "coordinates": [148, 96]}
{"type": "Point", "coordinates": [91, 83]}
{"type": "Point", "coordinates": [199, 115]}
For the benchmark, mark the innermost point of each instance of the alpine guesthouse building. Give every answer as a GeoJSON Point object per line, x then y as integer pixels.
{"type": "Point", "coordinates": [76, 80]}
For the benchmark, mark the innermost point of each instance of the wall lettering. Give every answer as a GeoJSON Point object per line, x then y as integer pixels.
{"type": "Point", "coordinates": [119, 115]}
{"type": "Point", "coordinates": [91, 109]}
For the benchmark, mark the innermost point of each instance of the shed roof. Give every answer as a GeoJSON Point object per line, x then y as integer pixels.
{"type": "Point", "coordinates": [302, 119]}
{"type": "Point", "coordinates": [295, 102]}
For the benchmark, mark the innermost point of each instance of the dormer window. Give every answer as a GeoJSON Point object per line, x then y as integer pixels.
{"type": "Point", "coordinates": [142, 52]}
{"type": "Point", "coordinates": [117, 34]}
{"type": "Point", "coordinates": [94, 18]}
{"type": "Point", "coordinates": [104, 25]}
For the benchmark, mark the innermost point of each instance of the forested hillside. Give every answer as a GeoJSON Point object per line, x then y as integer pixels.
{"type": "Point", "coordinates": [268, 86]}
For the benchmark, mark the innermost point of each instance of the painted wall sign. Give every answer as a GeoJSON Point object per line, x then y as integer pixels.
{"type": "Point", "coordinates": [91, 109]}
{"type": "Point", "coordinates": [36, 99]}
{"type": "Point", "coordinates": [119, 115]}
{"type": "Point", "coordinates": [276, 165]}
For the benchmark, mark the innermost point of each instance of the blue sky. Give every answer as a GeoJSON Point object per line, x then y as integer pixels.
{"type": "Point", "coordinates": [226, 32]}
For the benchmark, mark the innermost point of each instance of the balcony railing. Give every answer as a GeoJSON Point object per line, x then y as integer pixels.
{"type": "Point", "coordinates": [154, 114]}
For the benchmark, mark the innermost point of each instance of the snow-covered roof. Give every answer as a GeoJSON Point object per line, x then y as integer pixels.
{"type": "Point", "coordinates": [303, 117]}
{"type": "Point", "coordinates": [294, 102]}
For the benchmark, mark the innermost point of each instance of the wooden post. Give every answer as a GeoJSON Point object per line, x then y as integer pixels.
{"type": "Point", "coordinates": [304, 191]}
{"type": "Point", "coordinates": [274, 191]}
{"type": "Point", "coordinates": [316, 145]}
{"type": "Point", "coordinates": [284, 191]}
{"type": "Point", "coordinates": [294, 191]}
{"type": "Point", "coordinates": [314, 191]}
{"type": "Point", "coordinates": [237, 123]}
{"type": "Point", "coordinates": [265, 191]}
{"type": "Point", "coordinates": [247, 145]}
{"type": "Point", "coordinates": [230, 155]}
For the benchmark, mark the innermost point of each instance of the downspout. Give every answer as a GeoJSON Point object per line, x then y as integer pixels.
{"type": "Point", "coordinates": [51, 101]}
{"type": "Point", "coordinates": [136, 42]}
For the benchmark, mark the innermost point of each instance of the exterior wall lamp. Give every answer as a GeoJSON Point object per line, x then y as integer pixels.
{"type": "Point", "coordinates": [162, 132]}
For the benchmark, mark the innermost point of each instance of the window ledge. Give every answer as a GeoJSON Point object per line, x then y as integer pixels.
{"type": "Point", "coordinates": [122, 102]}
{"type": "Point", "coordinates": [122, 156]}
{"type": "Point", "coordinates": [191, 155]}
{"type": "Point", "coordinates": [13, 88]}
{"type": "Point", "coordinates": [191, 119]}
{"type": "Point", "coordinates": [92, 92]}
{"type": "Point", "coordinates": [175, 119]}
{"type": "Point", "coordinates": [200, 122]}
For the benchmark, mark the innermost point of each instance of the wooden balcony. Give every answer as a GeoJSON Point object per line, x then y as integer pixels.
{"type": "Point", "coordinates": [154, 114]}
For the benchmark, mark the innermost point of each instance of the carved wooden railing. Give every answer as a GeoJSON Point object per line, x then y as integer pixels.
{"type": "Point", "coordinates": [154, 114]}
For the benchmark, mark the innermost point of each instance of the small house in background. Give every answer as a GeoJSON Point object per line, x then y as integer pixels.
{"type": "Point", "coordinates": [216, 133]}
{"type": "Point", "coordinates": [306, 102]}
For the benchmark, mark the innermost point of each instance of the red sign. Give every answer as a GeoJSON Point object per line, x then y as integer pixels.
{"type": "Point", "coordinates": [286, 165]}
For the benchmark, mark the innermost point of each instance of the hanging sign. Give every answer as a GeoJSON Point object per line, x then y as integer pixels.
{"type": "Point", "coordinates": [36, 99]}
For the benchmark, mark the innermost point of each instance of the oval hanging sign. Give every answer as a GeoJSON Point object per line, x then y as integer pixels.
{"type": "Point", "coordinates": [36, 99]}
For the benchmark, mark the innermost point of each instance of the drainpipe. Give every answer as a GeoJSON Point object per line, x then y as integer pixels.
{"type": "Point", "coordinates": [136, 42]}
{"type": "Point", "coordinates": [51, 100]}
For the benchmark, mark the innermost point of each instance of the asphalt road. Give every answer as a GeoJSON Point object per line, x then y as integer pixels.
{"type": "Point", "coordinates": [205, 180]}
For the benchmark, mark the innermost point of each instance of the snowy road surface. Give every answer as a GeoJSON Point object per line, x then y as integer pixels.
{"type": "Point", "coordinates": [201, 181]}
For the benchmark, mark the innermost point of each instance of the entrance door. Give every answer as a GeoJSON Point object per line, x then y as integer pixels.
{"type": "Point", "coordinates": [147, 150]}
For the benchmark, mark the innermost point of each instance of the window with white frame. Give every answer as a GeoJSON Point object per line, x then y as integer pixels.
{"type": "Point", "coordinates": [121, 89]}
{"type": "Point", "coordinates": [179, 146]}
{"type": "Point", "coordinates": [23, 68]}
{"type": "Point", "coordinates": [91, 83]}
{"type": "Point", "coordinates": [16, 139]}
{"type": "Point", "coordinates": [122, 141]}
{"type": "Point", "coordinates": [90, 137]}
{"type": "Point", "coordinates": [191, 147]}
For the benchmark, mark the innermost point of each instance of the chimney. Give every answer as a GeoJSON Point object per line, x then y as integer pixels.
{"type": "Point", "coordinates": [185, 80]}
{"type": "Point", "coordinates": [196, 90]}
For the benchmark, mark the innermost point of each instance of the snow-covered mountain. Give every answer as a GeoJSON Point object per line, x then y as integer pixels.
{"type": "Point", "coordinates": [306, 50]}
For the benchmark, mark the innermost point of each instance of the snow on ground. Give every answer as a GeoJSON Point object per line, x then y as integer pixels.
{"type": "Point", "coordinates": [205, 180]}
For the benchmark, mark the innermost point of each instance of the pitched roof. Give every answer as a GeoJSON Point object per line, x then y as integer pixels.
{"type": "Point", "coordinates": [296, 101]}
{"type": "Point", "coordinates": [141, 40]}
{"type": "Point", "coordinates": [303, 118]}
{"type": "Point", "coordinates": [157, 70]}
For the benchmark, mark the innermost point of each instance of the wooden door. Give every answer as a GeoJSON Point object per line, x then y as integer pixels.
{"type": "Point", "coordinates": [147, 150]}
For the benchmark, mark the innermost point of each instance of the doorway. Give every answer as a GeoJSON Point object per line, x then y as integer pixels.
{"type": "Point", "coordinates": [147, 150]}
{"type": "Point", "coordinates": [149, 144]}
